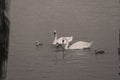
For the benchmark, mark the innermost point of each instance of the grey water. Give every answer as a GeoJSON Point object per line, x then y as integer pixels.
{"type": "Point", "coordinates": [86, 20]}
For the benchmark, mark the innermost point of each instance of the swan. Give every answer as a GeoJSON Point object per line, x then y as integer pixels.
{"type": "Point", "coordinates": [78, 45]}
{"type": "Point", "coordinates": [59, 40]}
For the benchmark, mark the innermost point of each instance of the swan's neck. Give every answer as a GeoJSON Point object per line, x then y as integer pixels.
{"type": "Point", "coordinates": [66, 46]}
{"type": "Point", "coordinates": [55, 38]}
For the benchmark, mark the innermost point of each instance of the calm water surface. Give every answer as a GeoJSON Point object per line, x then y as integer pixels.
{"type": "Point", "coordinates": [87, 20]}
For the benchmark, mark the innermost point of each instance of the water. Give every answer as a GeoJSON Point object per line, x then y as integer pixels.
{"type": "Point", "coordinates": [87, 20]}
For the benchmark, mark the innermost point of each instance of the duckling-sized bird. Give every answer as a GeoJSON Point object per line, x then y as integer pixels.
{"type": "Point", "coordinates": [99, 52]}
{"type": "Point", "coordinates": [119, 73]}
{"type": "Point", "coordinates": [37, 43]}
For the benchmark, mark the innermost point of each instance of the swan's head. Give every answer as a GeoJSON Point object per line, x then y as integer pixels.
{"type": "Point", "coordinates": [55, 32]}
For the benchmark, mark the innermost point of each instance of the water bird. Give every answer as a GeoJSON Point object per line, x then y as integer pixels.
{"type": "Point", "coordinates": [99, 52]}
{"type": "Point", "coordinates": [58, 41]}
{"type": "Point", "coordinates": [78, 45]}
{"type": "Point", "coordinates": [37, 43]}
{"type": "Point", "coordinates": [119, 73]}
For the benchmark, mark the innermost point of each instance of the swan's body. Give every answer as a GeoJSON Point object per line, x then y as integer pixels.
{"type": "Point", "coordinates": [79, 45]}
{"type": "Point", "coordinates": [60, 40]}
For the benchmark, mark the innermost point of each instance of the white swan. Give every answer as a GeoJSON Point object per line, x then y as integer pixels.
{"type": "Point", "coordinates": [78, 45]}
{"type": "Point", "coordinates": [60, 40]}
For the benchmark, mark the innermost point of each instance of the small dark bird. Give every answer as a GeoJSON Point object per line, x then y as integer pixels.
{"type": "Point", "coordinates": [37, 43]}
{"type": "Point", "coordinates": [119, 73]}
{"type": "Point", "coordinates": [99, 52]}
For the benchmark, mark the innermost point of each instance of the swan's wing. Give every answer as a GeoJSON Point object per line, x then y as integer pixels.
{"type": "Point", "coordinates": [86, 44]}
{"type": "Point", "coordinates": [80, 45]}
{"type": "Point", "coordinates": [76, 45]}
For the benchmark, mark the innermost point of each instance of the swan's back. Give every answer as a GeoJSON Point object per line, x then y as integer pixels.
{"type": "Point", "coordinates": [80, 45]}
